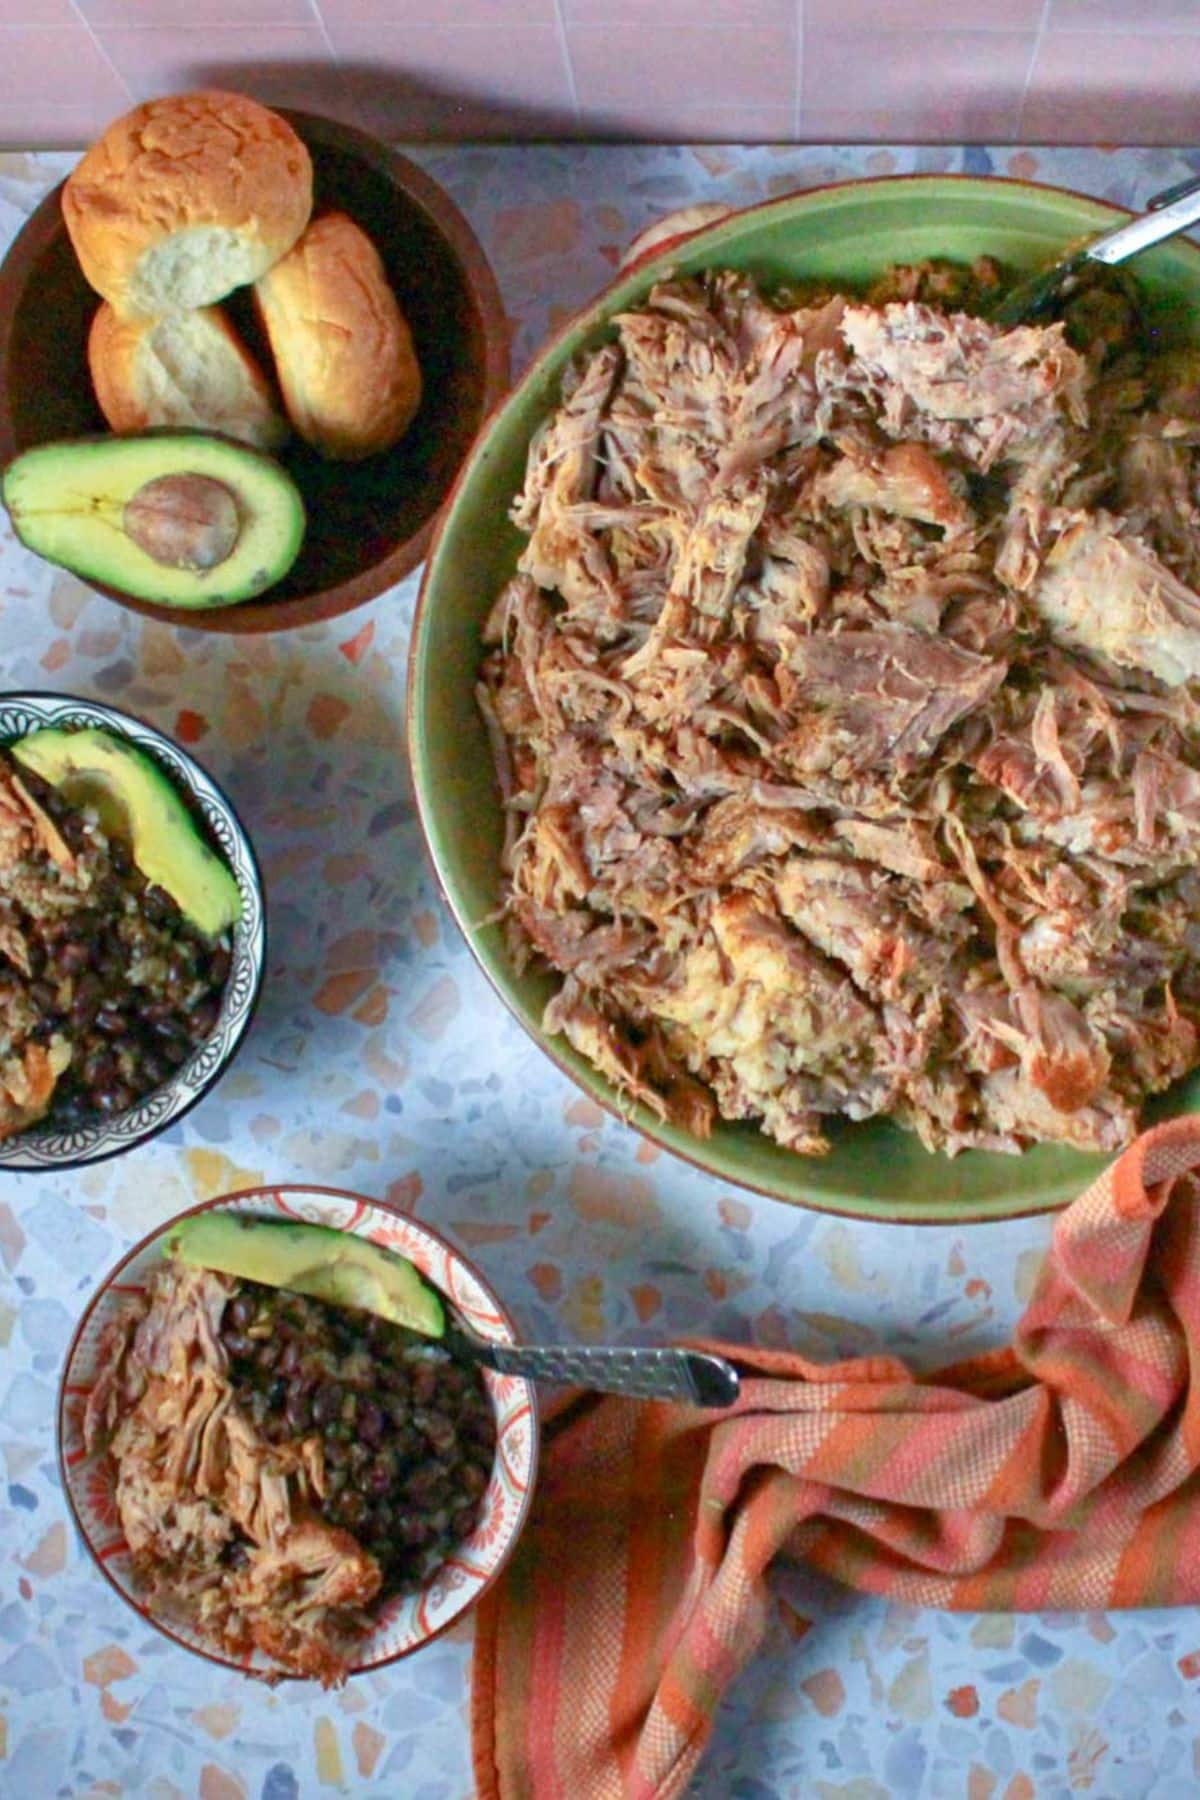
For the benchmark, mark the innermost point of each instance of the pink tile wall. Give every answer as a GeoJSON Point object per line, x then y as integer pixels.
{"type": "Point", "coordinates": [1033, 70]}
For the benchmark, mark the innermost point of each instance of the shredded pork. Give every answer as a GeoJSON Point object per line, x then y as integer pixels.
{"type": "Point", "coordinates": [222, 1526]}
{"type": "Point", "coordinates": [843, 707]}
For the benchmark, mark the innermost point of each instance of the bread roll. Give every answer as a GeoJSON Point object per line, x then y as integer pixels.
{"type": "Point", "coordinates": [185, 369]}
{"type": "Point", "coordinates": [343, 353]}
{"type": "Point", "coordinates": [185, 199]}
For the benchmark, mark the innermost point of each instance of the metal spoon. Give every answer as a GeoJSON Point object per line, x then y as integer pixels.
{"type": "Point", "coordinates": [1166, 214]}
{"type": "Point", "coordinates": [669, 1374]}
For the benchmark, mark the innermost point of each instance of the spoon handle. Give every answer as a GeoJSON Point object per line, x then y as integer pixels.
{"type": "Point", "coordinates": [1171, 212]}
{"type": "Point", "coordinates": [688, 1375]}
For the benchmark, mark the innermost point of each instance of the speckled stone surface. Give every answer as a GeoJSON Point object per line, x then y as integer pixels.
{"type": "Point", "coordinates": [381, 1061]}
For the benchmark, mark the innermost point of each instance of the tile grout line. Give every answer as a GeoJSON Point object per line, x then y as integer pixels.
{"type": "Point", "coordinates": [347, 96]}
{"type": "Point", "coordinates": [323, 28]}
{"type": "Point", "coordinates": [88, 28]}
{"type": "Point", "coordinates": [1038, 36]}
{"type": "Point", "coordinates": [798, 72]}
{"type": "Point", "coordinates": [564, 45]}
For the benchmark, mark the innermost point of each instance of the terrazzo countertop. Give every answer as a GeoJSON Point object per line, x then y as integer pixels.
{"type": "Point", "coordinates": [381, 1061]}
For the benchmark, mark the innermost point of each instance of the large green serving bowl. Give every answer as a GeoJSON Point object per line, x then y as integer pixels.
{"type": "Point", "coordinates": [848, 233]}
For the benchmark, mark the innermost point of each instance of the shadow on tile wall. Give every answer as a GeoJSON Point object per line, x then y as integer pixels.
{"type": "Point", "coordinates": [389, 102]}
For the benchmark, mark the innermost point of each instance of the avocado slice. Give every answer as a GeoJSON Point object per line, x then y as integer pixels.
{"type": "Point", "coordinates": [329, 1265]}
{"type": "Point", "coordinates": [182, 518]}
{"type": "Point", "coordinates": [137, 802]}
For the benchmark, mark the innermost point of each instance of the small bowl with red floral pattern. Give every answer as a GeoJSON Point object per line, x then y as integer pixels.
{"type": "Point", "coordinates": [405, 1621]}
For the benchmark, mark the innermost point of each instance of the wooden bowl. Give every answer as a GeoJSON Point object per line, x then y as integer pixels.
{"type": "Point", "coordinates": [369, 523]}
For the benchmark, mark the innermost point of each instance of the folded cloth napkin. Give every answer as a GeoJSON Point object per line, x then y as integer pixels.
{"type": "Point", "coordinates": [1060, 1472]}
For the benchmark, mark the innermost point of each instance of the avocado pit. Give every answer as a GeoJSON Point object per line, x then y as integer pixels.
{"type": "Point", "coordinates": [184, 521]}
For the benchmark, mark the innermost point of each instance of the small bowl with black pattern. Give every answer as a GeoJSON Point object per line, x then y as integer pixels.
{"type": "Point", "coordinates": [162, 1061]}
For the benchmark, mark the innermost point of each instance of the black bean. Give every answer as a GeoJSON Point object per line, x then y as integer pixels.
{"type": "Point", "coordinates": [370, 1422]}
{"type": "Point", "coordinates": [441, 1432]}
{"type": "Point", "coordinates": [158, 905]}
{"type": "Point", "coordinates": [424, 1383]}
{"type": "Point", "coordinates": [423, 1484]}
{"type": "Point", "coordinates": [154, 1069]}
{"type": "Point", "coordinates": [353, 1508]}
{"type": "Point", "coordinates": [299, 1412]}
{"type": "Point", "coordinates": [111, 1022]}
{"type": "Point", "coordinates": [240, 1311]}
{"type": "Point", "coordinates": [173, 1046]}
{"type": "Point", "coordinates": [87, 998]}
{"type": "Point", "coordinates": [119, 856]}
{"type": "Point", "coordinates": [380, 1478]}
{"type": "Point", "coordinates": [180, 972]}
{"type": "Point", "coordinates": [462, 1523]}
{"type": "Point", "coordinates": [327, 1405]}
{"type": "Point", "coordinates": [44, 996]}
{"type": "Point", "coordinates": [472, 1478]}
{"type": "Point", "coordinates": [71, 957]}
{"type": "Point", "coordinates": [202, 1020]}
{"type": "Point", "coordinates": [237, 1343]}
{"type": "Point", "coordinates": [219, 965]}
{"type": "Point", "coordinates": [277, 1395]}
{"type": "Point", "coordinates": [289, 1359]}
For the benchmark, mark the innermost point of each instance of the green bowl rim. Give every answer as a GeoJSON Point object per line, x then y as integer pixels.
{"type": "Point", "coordinates": [656, 264]}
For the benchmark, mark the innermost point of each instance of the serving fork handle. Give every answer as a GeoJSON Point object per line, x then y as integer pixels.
{"type": "Point", "coordinates": [1175, 209]}
{"type": "Point", "coordinates": [692, 1376]}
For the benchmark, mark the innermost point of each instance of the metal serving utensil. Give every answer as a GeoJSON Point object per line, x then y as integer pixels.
{"type": "Point", "coordinates": [692, 1376]}
{"type": "Point", "coordinates": [1166, 214]}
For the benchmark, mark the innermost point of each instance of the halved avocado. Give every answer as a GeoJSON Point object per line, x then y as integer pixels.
{"type": "Point", "coordinates": [182, 518]}
{"type": "Point", "coordinates": [137, 802]}
{"type": "Point", "coordinates": [329, 1265]}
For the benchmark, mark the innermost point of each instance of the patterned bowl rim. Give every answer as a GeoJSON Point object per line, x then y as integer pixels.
{"type": "Point", "coordinates": [454, 1255]}
{"type": "Point", "coordinates": [250, 883]}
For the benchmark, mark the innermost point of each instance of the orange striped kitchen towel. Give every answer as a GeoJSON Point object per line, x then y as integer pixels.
{"type": "Point", "coordinates": [1062, 1472]}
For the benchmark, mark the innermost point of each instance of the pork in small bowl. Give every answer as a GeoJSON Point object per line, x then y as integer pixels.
{"type": "Point", "coordinates": [272, 1444]}
{"type": "Point", "coordinates": [835, 650]}
{"type": "Point", "coordinates": [132, 932]}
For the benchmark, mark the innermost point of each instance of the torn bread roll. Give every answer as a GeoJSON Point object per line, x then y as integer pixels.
{"type": "Point", "coordinates": [185, 199]}
{"type": "Point", "coordinates": [343, 351]}
{"type": "Point", "coordinates": [183, 370]}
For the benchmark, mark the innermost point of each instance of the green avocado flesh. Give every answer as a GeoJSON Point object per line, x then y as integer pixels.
{"type": "Point", "coordinates": [329, 1265]}
{"type": "Point", "coordinates": [136, 802]}
{"type": "Point", "coordinates": [68, 502]}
